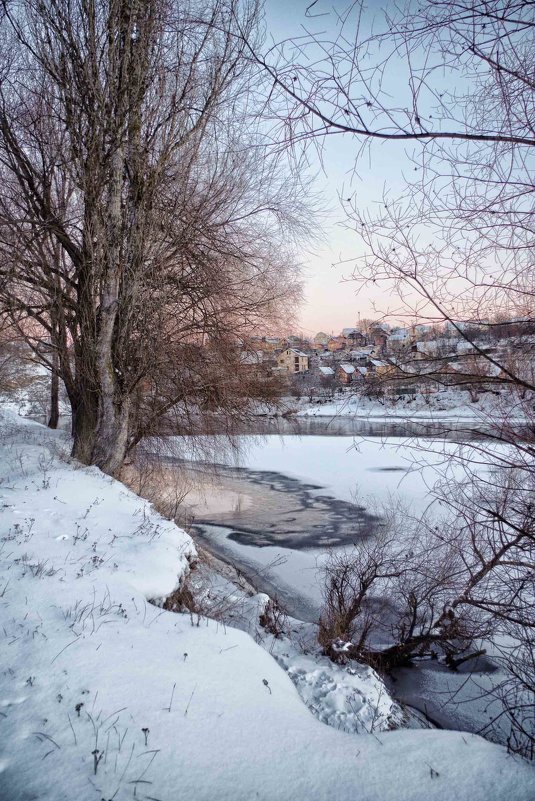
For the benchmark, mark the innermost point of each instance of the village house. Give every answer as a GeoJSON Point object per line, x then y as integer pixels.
{"type": "Point", "coordinates": [297, 342]}
{"type": "Point", "coordinates": [354, 337]}
{"type": "Point", "coordinates": [380, 368]}
{"type": "Point", "coordinates": [254, 362]}
{"type": "Point", "coordinates": [269, 344]}
{"type": "Point", "coordinates": [293, 361]}
{"type": "Point", "coordinates": [422, 330]}
{"type": "Point", "coordinates": [398, 340]}
{"type": "Point", "coordinates": [361, 355]}
{"type": "Point", "coordinates": [379, 339]}
{"type": "Point", "coordinates": [321, 339]}
{"type": "Point", "coordinates": [326, 377]}
{"type": "Point", "coordinates": [336, 343]}
{"type": "Point", "coordinates": [345, 373]}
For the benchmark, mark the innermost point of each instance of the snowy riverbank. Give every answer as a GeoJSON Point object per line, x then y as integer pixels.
{"type": "Point", "coordinates": [103, 695]}
{"type": "Point", "coordinates": [452, 406]}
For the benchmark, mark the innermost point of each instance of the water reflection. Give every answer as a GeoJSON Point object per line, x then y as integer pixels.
{"type": "Point", "coordinates": [455, 431]}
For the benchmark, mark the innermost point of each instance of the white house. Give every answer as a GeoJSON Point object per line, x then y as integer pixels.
{"type": "Point", "coordinates": [293, 361]}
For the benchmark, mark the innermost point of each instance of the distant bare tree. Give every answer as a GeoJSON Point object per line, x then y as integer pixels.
{"type": "Point", "coordinates": [14, 368]}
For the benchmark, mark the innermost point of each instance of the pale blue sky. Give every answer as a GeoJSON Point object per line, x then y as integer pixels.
{"type": "Point", "coordinates": [331, 302]}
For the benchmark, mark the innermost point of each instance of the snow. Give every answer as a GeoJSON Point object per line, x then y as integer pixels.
{"type": "Point", "coordinates": [347, 368]}
{"type": "Point", "coordinates": [350, 698]}
{"type": "Point", "coordinates": [339, 696]}
{"type": "Point", "coordinates": [450, 405]}
{"type": "Point", "coordinates": [399, 336]}
{"type": "Point", "coordinates": [371, 472]}
{"type": "Point", "coordinates": [103, 695]}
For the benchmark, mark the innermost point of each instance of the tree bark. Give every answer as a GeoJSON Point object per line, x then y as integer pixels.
{"type": "Point", "coordinates": [84, 420]}
{"type": "Point", "coordinates": [54, 392]}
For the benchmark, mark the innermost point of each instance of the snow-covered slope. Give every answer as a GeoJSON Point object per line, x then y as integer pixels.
{"type": "Point", "coordinates": [105, 696]}
{"type": "Point", "coordinates": [448, 405]}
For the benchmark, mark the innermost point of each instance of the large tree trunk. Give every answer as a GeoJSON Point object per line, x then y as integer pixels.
{"type": "Point", "coordinates": [84, 422]}
{"type": "Point", "coordinates": [102, 430]}
{"type": "Point", "coordinates": [99, 429]}
{"type": "Point", "coordinates": [111, 438]}
{"type": "Point", "coordinates": [53, 418]}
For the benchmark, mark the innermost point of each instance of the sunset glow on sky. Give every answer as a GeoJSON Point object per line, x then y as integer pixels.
{"type": "Point", "coordinates": [331, 299]}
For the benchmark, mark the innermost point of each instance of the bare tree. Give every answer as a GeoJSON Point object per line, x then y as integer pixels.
{"type": "Point", "coordinates": [443, 589]}
{"type": "Point", "coordinates": [458, 245]}
{"type": "Point", "coordinates": [132, 227]}
{"type": "Point", "coordinates": [455, 80]}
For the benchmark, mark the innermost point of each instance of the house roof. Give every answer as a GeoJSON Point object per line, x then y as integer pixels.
{"type": "Point", "coordinates": [347, 368]}
{"type": "Point", "coordinates": [297, 352]}
{"type": "Point", "coordinates": [326, 370]}
{"type": "Point", "coordinates": [428, 348]}
{"type": "Point", "coordinates": [381, 327]}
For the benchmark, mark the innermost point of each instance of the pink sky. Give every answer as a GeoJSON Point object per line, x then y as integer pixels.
{"type": "Point", "coordinates": [331, 301]}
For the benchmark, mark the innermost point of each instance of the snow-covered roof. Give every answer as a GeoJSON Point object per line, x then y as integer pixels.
{"type": "Point", "coordinates": [428, 348]}
{"type": "Point", "coordinates": [347, 368]}
{"type": "Point", "coordinates": [454, 326]}
{"type": "Point", "coordinates": [362, 370]}
{"type": "Point", "coordinates": [327, 371]}
{"type": "Point", "coordinates": [297, 352]}
{"type": "Point", "coordinates": [348, 332]}
{"type": "Point", "coordinates": [399, 336]}
{"type": "Point", "coordinates": [378, 363]}
{"type": "Point", "coordinates": [482, 368]}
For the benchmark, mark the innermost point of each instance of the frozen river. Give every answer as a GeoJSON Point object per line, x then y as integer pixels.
{"type": "Point", "coordinates": [278, 510]}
